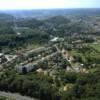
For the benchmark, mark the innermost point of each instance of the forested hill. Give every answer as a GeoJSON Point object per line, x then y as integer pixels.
{"type": "Point", "coordinates": [58, 20]}
{"type": "Point", "coordinates": [29, 22]}
{"type": "Point", "coordinates": [6, 24]}
{"type": "Point", "coordinates": [5, 17]}
{"type": "Point", "coordinates": [36, 23]}
{"type": "Point", "coordinates": [6, 20]}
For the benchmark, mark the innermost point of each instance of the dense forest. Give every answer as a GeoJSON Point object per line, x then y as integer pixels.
{"type": "Point", "coordinates": [80, 86]}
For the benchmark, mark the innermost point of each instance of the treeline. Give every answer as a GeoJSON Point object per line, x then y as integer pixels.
{"type": "Point", "coordinates": [27, 36]}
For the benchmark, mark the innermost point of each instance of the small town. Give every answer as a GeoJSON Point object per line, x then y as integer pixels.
{"type": "Point", "coordinates": [51, 53]}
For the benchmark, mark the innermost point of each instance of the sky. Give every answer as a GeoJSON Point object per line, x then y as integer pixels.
{"type": "Point", "coordinates": [48, 4]}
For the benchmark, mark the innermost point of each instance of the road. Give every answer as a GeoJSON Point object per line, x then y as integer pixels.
{"type": "Point", "coordinates": [15, 96]}
{"type": "Point", "coordinates": [65, 57]}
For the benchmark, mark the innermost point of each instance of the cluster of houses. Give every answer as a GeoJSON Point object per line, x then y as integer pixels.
{"type": "Point", "coordinates": [39, 55]}
{"type": "Point", "coordinates": [45, 54]}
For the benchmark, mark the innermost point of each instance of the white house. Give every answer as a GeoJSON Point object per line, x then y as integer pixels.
{"type": "Point", "coordinates": [55, 39]}
{"type": "Point", "coordinates": [1, 54]}
{"type": "Point", "coordinates": [24, 68]}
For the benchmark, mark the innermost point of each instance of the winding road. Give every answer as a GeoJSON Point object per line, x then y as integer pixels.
{"type": "Point", "coordinates": [15, 96]}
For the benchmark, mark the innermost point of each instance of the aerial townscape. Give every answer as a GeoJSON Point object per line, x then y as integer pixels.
{"type": "Point", "coordinates": [50, 54]}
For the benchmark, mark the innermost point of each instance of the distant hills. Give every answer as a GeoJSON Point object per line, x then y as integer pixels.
{"type": "Point", "coordinates": [50, 12]}
{"type": "Point", "coordinates": [54, 21]}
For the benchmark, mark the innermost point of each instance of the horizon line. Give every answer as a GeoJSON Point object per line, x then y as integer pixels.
{"type": "Point", "coordinates": [50, 8]}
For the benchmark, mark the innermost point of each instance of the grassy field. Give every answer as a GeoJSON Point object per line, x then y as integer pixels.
{"type": "Point", "coordinates": [96, 47]}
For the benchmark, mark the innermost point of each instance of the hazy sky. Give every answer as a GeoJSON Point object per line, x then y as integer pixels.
{"type": "Point", "coordinates": [38, 4]}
